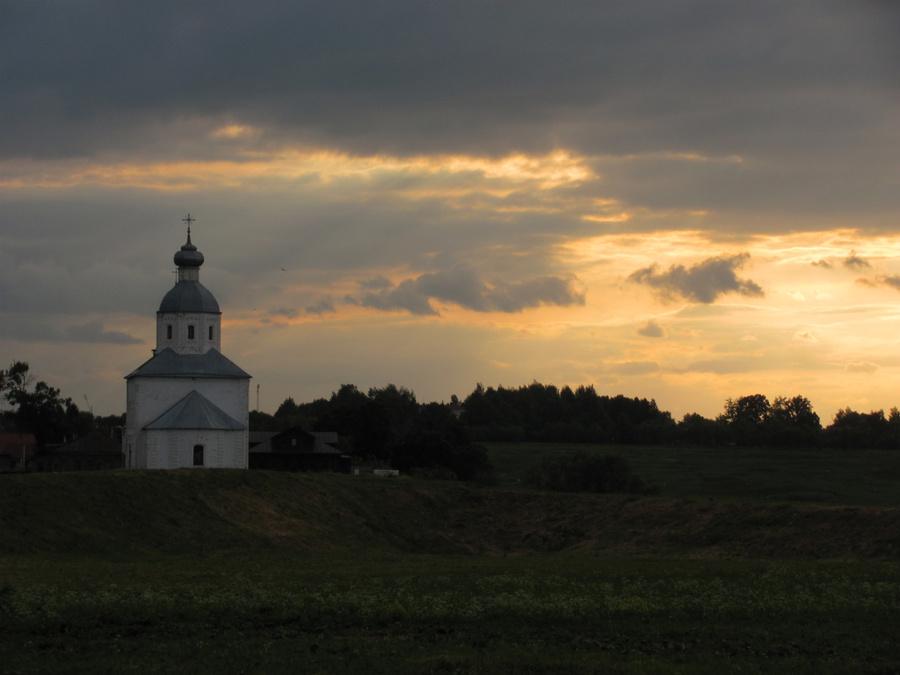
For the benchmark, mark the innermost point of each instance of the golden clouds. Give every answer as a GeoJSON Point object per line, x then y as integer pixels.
{"type": "Point", "coordinates": [453, 174]}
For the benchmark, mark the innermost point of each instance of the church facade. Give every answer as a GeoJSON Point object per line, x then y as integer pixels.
{"type": "Point", "coordinates": [188, 406]}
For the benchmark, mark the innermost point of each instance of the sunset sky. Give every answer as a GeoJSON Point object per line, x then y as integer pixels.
{"type": "Point", "coordinates": [685, 201]}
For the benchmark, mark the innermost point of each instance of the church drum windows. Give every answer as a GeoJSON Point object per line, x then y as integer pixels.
{"type": "Point", "coordinates": [169, 332]}
{"type": "Point", "coordinates": [198, 455]}
{"type": "Point", "coordinates": [210, 332]}
{"type": "Point", "coordinates": [190, 332]}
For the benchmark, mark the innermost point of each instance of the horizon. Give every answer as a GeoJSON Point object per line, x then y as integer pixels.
{"type": "Point", "coordinates": [682, 202]}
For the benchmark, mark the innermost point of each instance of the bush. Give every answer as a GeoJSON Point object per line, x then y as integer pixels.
{"type": "Point", "coordinates": [583, 472]}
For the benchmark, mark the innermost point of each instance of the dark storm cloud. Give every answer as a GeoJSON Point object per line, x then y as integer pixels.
{"type": "Point", "coordinates": [463, 286]}
{"type": "Point", "coordinates": [772, 79]}
{"type": "Point", "coordinates": [703, 282]}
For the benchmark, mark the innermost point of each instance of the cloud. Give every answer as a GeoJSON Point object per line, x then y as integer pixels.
{"type": "Point", "coordinates": [703, 282]}
{"type": "Point", "coordinates": [634, 367]}
{"type": "Point", "coordinates": [93, 331]}
{"type": "Point", "coordinates": [651, 329]}
{"type": "Point", "coordinates": [892, 281]}
{"type": "Point", "coordinates": [805, 336]}
{"type": "Point", "coordinates": [824, 264]}
{"type": "Point", "coordinates": [376, 283]}
{"type": "Point", "coordinates": [654, 78]}
{"type": "Point", "coordinates": [462, 285]}
{"type": "Point", "coordinates": [855, 262]}
{"type": "Point", "coordinates": [725, 366]}
{"type": "Point", "coordinates": [323, 306]}
{"type": "Point", "coordinates": [861, 367]}
{"type": "Point", "coordinates": [31, 329]}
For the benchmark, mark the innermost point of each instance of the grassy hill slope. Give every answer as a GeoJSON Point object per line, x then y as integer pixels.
{"type": "Point", "coordinates": [823, 475]}
{"type": "Point", "coordinates": [186, 512]}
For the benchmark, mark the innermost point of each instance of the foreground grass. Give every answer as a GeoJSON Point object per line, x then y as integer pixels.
{"type": "Point", "coordinates": [277, 611]}
{"type": "Point", "coordinates": [259, 572]}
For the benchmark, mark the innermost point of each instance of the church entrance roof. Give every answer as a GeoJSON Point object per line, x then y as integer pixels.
{"type": "Point", "coordinates": [195, 411]}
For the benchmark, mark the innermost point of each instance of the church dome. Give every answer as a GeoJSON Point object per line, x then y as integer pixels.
{"type": "Point", "coordinates": [189, 296]}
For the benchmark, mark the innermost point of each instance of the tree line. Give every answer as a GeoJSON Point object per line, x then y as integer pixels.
{"type": "Point", "coordinates": [388, 424]}
{"type": "Point", "coordinates": [540, 412]}
{"type": "Point", "coordinates": [39, 409]}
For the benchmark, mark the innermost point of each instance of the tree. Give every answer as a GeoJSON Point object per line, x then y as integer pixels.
{"type": "Point", "coordinates": [364, 421]}
{"type": "Point", "coordinates": [744, 418]}
{"type": "Point", "coordinates": [856, 430]}
{"type": "Point", "coordinates": [40, 410]}
{"type": "Point", "coordinates": [694, 429]}
{"type": "Point", "coordinates": [792, 423]}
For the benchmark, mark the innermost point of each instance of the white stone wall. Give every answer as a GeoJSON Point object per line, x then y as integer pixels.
{"type": "Point", "coordinates": [158, 394]}
{"type": "Point", "coordinates": [180, 321]}
{"type": "Point", "coordinates": [174, 449]}
{"type": "Point", "coordinates": [169, 449]}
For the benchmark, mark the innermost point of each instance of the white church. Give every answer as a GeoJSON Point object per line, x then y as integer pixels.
{"type": "Point", "coordinates": [188, 406]}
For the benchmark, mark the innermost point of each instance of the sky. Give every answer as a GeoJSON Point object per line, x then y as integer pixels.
{"type": "Point", "coordinates": [684, 201]}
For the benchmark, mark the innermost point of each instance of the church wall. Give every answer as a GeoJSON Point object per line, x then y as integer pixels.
{"type": "Point", "coordinates": [174, 449]}
{"type": "Point", "coordinates": [148, 398]}
{"type": "Point", "coordinates": [158, 394]}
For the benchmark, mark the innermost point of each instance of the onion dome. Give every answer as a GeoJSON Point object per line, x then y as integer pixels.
{"type": "Point", "coordinates": [189, 256]}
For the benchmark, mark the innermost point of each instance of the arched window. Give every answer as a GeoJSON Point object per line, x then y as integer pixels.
{"type": "Point", "coordinates": [190, 332]}
{"type": "Point", "coordinates": [198, 455]}
{"type": "Point", "coordinates": [169, 332]}
{"type": "Point", "coordinates": [210, 332]}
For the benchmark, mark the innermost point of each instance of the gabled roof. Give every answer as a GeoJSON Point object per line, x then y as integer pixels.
{"type": "Point", "coordinates": [195, 411]}
{"type": "Point", "coordinates": [296, 440]}
{"type": "Point", "coordinates": [168, 363]}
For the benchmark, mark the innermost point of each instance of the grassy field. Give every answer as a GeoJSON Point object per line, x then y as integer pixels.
{"type": "Point", "coordinates": [258, 572]}
{"type": "Point", "coordinates": [862, 477]}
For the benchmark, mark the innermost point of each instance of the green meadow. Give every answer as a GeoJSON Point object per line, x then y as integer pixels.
{"type": "Point", "coordinates": [259, 572]}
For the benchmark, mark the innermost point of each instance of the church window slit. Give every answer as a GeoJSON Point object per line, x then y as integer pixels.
{"type": "Point", "coordinates": [210, 332]}
{"type": "Point", "coordinates": [169, 332]}
{"type": "Point", "coordinates": [190, 332]}
{"type": "Point", "coordinates": [198, 455]}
